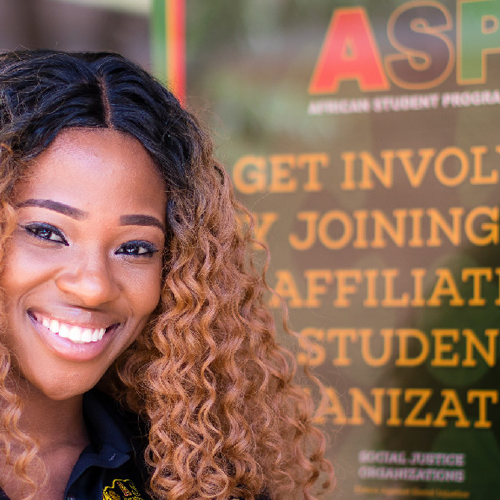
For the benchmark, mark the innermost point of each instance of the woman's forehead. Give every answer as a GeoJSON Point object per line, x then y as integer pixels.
{"type": "Point", "coordinates": [99, 166]}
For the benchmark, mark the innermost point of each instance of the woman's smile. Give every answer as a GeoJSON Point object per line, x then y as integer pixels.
{"type": "Point", "coordinates": [73, 342]}
{"type": "Point", "coordinates": [77, 334]}
{"type": "Point", "coordinates": [74, 333]}
{"type": "Point", "coordinates": [83, 268]}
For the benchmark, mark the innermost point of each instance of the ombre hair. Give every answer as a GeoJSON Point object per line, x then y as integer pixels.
{"type": "Point", "coordinates": [215, 390]}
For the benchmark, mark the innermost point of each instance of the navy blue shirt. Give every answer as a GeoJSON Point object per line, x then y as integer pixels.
{"type": "Point", "coordinates": [111, 467]}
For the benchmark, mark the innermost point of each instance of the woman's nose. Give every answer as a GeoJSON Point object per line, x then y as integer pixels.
{"type": "Point", "coordinates": [89, 283]}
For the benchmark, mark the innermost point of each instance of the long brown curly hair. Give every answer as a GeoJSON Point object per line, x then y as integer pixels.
{"type": "Point", "coordinates": [207, 375]}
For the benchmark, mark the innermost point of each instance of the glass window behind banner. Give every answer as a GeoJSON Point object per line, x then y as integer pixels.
{"type": "Point", "coordinates": [76, 25]}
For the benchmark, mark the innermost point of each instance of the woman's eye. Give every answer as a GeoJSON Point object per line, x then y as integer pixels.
{"type": "Point", "coordinates": [137, 249]}
{"type": "Point", "coordinates": [45, 232]}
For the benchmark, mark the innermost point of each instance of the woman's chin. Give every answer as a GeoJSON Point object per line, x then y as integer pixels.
{"type": "Point", "coordinates": [56, 388]}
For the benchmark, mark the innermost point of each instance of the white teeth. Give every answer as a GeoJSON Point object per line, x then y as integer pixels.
{"type": "Point", "coordinates": [64, 331]}
{"type": "Point", "coordinates": [54, 326]}
{"type": "Point", "coordinates": [86, 335]}
{"type": "Point", "coordinates": [76, 334]}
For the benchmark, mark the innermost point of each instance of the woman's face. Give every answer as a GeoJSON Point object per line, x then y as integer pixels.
{"type": "Point", "coordinates": [83, 269]}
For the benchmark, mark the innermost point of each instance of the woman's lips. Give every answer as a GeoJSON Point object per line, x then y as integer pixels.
{"type": "Point", "coordinates": [74, 333]}
{"type": "Point", "coordinates": [74, 350]}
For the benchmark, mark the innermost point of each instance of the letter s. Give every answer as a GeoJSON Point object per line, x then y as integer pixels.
{"type": "Point", "coordinates": [426, 56]}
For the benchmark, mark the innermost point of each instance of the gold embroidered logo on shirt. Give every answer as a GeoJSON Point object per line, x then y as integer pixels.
{"type": "Point", "coordinates": [121, 489]}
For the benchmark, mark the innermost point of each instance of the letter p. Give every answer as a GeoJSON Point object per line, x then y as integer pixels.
{"type": "Point", "coordinates": [478, 35]}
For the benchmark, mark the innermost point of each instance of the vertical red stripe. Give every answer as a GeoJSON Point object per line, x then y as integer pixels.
{"type": "Point", "coordinates": [176, 47]}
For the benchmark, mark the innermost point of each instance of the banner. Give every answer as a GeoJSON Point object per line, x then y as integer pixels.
{"type": "Point", "coordinates": [364, 136]}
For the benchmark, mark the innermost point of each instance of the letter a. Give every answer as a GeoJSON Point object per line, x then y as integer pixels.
{"type": "Point", "coordinates": [349, 52]}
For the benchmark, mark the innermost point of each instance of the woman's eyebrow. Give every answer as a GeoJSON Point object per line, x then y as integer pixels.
{"type": "Point", "coordinates": [74, 213]}
{"type": "Point", "coordinates": [141, 220]}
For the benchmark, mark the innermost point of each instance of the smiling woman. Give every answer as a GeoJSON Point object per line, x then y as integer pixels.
{"type": "Point", "coordinates": [137, 358]}
{"type": "Point", "coordinates": [82, 272]}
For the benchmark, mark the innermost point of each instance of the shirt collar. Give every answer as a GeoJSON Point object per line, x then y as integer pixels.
{"type": "Point", "coordinates": [105, 424]}
{"type": "Point", "coordinates": [111, 444]}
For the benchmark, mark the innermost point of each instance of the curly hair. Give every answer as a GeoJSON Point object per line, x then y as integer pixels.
{"type": "Point", "coordinates": [207, 375]}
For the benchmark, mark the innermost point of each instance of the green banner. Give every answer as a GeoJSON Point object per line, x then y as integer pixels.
{"type": "Point", "coordinates": [363, 135]}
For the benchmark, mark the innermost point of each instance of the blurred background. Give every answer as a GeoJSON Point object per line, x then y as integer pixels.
{"type": "Point", "coordinates": [248, 66]}
{"type": "Point", "coordinates": [118, 25]}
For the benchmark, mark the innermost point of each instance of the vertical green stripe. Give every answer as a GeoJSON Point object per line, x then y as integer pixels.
{"type": "Point", "coordinates": [158, 40]}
